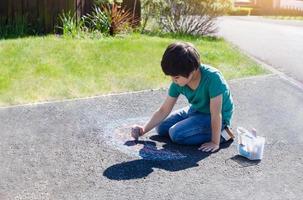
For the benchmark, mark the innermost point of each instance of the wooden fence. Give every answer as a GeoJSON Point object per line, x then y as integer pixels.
{"type": "Point", "coordinates": [40, 14]}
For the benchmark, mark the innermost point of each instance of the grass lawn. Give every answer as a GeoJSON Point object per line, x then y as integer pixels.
{"type": "Point", "coordinates": [285, 17]}
{"type": "Point", "coordinates": [52, 68]}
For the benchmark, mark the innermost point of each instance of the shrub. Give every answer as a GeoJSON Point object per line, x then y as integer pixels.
{"type": "Point", "coordinates": [70, 25]}
{"type": "Point", "coordinates": [109, 19]}
{"type": "Point", "coordinates": [119, 19]}
{"type": "Point", "coordinates": [151, 9]}
{"type": "Point", "coordinates": [97, 21]}
{"type": "Point", "coordinates": [16, 28]}
{"type": "Point", "coordinates": [189, 17]}
{"type": "Point", "coordinates": [193, 16]}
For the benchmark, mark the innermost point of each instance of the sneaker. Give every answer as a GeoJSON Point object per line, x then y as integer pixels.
{"type": "Point", "coordinates": [227, 134]}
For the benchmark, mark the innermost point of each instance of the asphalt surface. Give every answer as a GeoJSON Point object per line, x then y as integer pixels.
{"type": "Point", "coordinates": [278, 43]}
{"type": "Point", "coordinates": [68, 150]}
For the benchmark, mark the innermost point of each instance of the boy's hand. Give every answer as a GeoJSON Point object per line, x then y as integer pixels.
{"type": "Point", "coordinates": [137, 131]}
{"type": "Point", "coordinates": [209, 146]}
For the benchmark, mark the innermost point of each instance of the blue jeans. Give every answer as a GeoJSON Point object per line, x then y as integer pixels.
{"type": "Point", "coordinates": [187, 126]}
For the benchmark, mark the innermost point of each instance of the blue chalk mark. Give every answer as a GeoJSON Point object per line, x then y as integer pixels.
{"type": "Point", "coordinates": [117, 135]}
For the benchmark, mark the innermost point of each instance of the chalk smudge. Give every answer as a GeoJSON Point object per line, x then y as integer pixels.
{"type": "Point", "coordinates": [117, 134]}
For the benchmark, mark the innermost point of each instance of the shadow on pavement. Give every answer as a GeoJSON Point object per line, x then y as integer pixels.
{"type": "Point", "coordinates": [244, 162]}
{"type": "Point", "coordinates": [141, 168]}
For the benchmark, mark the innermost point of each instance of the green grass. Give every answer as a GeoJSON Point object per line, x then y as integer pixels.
{"type": "Point", "coordinates": [285, 17]}
{"type": "Point", "coordinates": [52, 68]}
{"type": "Point", "coordinates": [240, 11]}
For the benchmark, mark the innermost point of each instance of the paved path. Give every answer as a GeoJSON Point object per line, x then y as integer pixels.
{"type": "Point", "coordinates": [71, 150]}
{"type": "Point", "coordinates": [276, 42]}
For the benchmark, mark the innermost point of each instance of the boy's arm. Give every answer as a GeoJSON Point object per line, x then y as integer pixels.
{"type": "Point", "coordinates": [160, 114]}
{"type": "Point", "coordinates": [216, 124]}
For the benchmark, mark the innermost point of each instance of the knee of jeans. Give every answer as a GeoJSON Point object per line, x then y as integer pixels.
{"type": "Point", "coordinates": [174, 134]}
{"type": "Point", "coordinates": [160, 130]}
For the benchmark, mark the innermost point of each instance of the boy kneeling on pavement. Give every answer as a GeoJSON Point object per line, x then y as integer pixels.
{"type": "Point", "coordinates": [206, 120]}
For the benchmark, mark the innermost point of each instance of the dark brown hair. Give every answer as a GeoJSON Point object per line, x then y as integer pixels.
{"type": "Point", "coordinates": [180, 59]}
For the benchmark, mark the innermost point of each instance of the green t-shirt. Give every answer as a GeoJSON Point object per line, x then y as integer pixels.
{"type": "Point", "coordinates": [212, 84]}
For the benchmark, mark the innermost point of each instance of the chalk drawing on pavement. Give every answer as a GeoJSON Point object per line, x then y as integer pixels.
{"type": "Point", "coordinates": [117, 134]}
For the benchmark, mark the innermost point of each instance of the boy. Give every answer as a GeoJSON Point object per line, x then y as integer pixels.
{"type": "Point", "coordinates": [211, 104]}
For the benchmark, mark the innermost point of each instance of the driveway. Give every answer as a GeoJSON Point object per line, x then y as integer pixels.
{"type": "Point", "coordinates": [81, 149]}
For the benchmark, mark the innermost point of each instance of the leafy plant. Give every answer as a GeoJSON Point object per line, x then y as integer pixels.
{"type": "Point", "coordinates": [98, 20]}
{"type": "Point", "coordinates": [70, 25]}
{"type": "Point", "coordinates": [183, 18]}
{"type": "Point", "coordinates": [189, 17]}
{"type": "Point", "coordinates": [109, 19]}
{"type": "Point", "coordinates": [120, 20]}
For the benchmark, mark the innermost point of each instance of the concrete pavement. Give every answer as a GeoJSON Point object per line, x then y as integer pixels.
{"type": "Point", "coordinates": [81, 149]}
{"type": "Point", "coordinates": [278, 43]}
